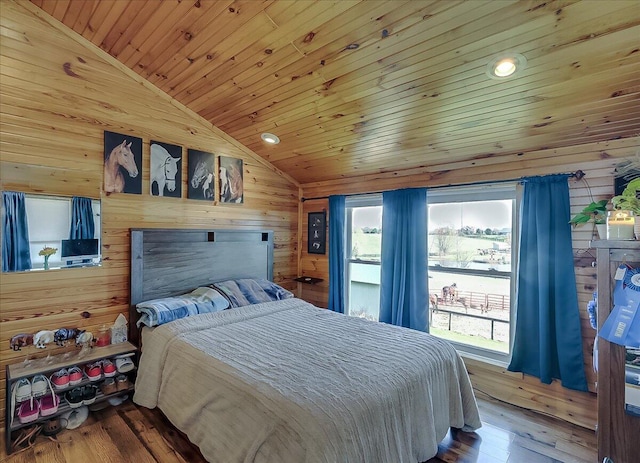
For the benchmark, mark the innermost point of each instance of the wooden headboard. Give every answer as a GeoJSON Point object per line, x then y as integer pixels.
{"type": "Point", "coordinates": [168, 262]}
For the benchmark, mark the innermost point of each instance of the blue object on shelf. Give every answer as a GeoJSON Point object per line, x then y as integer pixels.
{"type": "Point", "coordinates": [592, 310]}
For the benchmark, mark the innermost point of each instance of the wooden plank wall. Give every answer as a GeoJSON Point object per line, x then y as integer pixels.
{"type": "Point", "coordinates": [597, 160]}
{"type": "Point", "coordinates": [58, 96]}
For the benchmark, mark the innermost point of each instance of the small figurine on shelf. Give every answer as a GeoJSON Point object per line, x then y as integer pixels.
{"type": "Point", "coordinates": [85, 338]}
{"type": "Point", "coordinates": [42, 338]}
{"type": "Point", "coordinates": [47, 252]}
{"type": "Point", "coordinates": [21, 340]}
{"type": "Point", "coordinates": [63, 335]}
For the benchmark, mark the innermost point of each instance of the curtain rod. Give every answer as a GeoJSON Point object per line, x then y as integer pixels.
{"type": "Point", "coordinates": [578, 175]}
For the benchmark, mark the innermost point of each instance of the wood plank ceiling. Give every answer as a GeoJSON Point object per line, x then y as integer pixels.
{"type": "Point", "coordinates": [356, 87]}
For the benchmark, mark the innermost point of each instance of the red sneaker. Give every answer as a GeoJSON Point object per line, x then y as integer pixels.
{"type": "Point", "coordinates": [60, 379]}
{"type": "Point", "coordinates": [75, 376]}
{"type": "Point", "coordinates": [93, 371]}
{"type": "Point", "coordinates": [109, 368]}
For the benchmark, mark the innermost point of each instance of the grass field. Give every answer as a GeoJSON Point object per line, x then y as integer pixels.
{"type": "Point", "coordinates": [367, 245]}
{"type": "Point", "coordinates": [477, 341]}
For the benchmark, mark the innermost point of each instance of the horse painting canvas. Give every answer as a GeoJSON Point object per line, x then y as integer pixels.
{"type": "Point", "coordinates": [200, 183]}
{"type": "Point", "coordinates": [165, 175]}
{"type": "Point", "coordinates": [231, 180]}
{"type": "Point", "coordinates": [122, 161]}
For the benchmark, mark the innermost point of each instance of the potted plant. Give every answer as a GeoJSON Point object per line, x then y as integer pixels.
{"type": "Point", "coordinates": [629, 201]}
{"type": "Point", "coordinates": [596, 213]}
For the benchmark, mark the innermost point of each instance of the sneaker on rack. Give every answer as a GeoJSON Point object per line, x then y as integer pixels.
{"type": "Point", "coordinates": [108, 386]}
{"type": "Point", "coordinates": [22, 390]}
{"type": "Point", "coordinates": [109, 368]}
{"type": "Point", "coordinates": [74, 397]}
{"type": "Point", "coordinates": [93, 371]}
{"type": "Point", "coordinates": [39, 385]}
{"type": "Point", "coordinates": [89, 394]}
{"type": "Point", "coordinates": [75, 375]}
{"type": "Point", "coordinates": [122, 382]}
{"type": "Point", "coordinates": [60, 379]}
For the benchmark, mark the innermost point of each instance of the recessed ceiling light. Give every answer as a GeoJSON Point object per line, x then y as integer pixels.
{"type": "Point", "coordinates": [506, 65]}
{"type": "Point", "coordinates": [270, 138]}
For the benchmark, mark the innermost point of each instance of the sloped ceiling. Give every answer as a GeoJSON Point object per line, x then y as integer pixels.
{"type": "Point", "coordinates": [362, 87]}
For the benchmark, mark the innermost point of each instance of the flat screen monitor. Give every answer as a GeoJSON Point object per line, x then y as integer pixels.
{"type": "Point", "coordinates": [74, 251]}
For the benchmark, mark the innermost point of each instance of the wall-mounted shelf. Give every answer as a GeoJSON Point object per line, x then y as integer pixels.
{"type": "Point", "coordinates": [309, 280]}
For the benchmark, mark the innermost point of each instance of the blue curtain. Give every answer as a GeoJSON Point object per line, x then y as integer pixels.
{"type": "Point", "coordinates": [403, 289]}
{"type": "Point", "coordinates": [15, 233]}
{"type": "Point", "coordinates": [336, 253]}
{"type": "Point", "coordinates": [82, 225]}
{"type": "Point", "coordinates": [548, 339]}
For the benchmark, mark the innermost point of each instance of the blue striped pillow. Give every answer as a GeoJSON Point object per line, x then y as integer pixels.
{"type": "Point", "coordinates": [159, 311]}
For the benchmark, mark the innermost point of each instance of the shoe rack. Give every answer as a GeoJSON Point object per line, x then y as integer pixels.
{"type": "Point", "coordinates": [49, 365]}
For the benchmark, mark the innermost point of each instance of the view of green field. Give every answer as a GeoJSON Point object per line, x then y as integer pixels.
{"type": "Point", "coordinates": [366, 246]}
{"type": "Point", "coordinates": [473, 292]}
{"type": "Point", "coordinates": [474, 340]}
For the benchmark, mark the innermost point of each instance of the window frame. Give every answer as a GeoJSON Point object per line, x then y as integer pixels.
{"type": "Point", "coordinates": [351, 203]}
{"type": "Point", "coordinates": [487, 192]}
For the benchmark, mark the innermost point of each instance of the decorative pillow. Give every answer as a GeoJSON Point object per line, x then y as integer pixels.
{"type": "Point", "coordinates": [251, 291]}
{"type": "Point", "coordinates": [201, 300]}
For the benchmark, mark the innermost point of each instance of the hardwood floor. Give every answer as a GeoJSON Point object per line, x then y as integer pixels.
{"type": "Point", "coordinates": [135, 434]}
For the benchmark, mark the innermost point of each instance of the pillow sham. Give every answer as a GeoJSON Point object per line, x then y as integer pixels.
{"type": "Point", "coordinates": [248, 291]}
{"type": "Point", "coordinates": [201, 300]}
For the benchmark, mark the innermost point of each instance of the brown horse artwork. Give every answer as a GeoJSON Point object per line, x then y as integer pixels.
{"type": "Point", "coordinates": [120, 156]}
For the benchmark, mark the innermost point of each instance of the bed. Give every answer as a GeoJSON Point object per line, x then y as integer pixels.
{"type": "Point", "coordinates": [284, 381]}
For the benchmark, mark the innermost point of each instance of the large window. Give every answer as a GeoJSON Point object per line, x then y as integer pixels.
{"type": "Point", "coordinates": [471, 266]}
{"type": "Point", "coordinates": [470, 263]}
{"type": "Point", "coordinates": [364, 236]}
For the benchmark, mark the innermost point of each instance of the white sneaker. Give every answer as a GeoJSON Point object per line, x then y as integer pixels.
{"type": "Point", "coordinates": [39, 385]}
{"type": "Point", "coordinates": [23, 390]}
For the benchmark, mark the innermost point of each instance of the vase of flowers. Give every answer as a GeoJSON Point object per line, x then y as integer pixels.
{"type": "Point", "coordinates": [47, 252]}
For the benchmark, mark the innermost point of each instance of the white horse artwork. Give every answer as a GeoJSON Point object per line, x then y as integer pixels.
{"type": "Point", "coordinates": [203, 178]}
{"type": "Point", "coordinates": [207, 186]}
{"type": "Point", "coordinates": [164, 168]}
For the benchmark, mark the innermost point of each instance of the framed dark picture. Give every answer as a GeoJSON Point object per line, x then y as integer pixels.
{"type": "Point", "coordinates": [231, 180]}
{"type": "Point", "coordinates": [201, 175]}
{"type": "Point", "coordinates": [317, 242]}
{"type": "Point", "coordinates": [122, 163]}
{"type": "Point", "coordinates": [165, 175]}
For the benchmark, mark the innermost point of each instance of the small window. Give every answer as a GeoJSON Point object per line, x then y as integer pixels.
{"type": "Point", "coordinates": [364, 235]}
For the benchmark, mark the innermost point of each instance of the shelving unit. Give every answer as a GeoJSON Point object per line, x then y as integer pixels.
{"type": "Point", "coordinates": [617, 431]}
{"type": "Point", "coordinates": [310, 280]}
{"type": "Point", "coordinates": [17, 371]}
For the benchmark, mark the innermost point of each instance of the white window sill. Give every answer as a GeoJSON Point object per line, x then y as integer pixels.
{"type": "Point", "coordinates": [480, 358]}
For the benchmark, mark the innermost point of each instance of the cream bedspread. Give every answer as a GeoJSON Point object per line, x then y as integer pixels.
{"type": "Point", "coordinates": [286, 382]}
